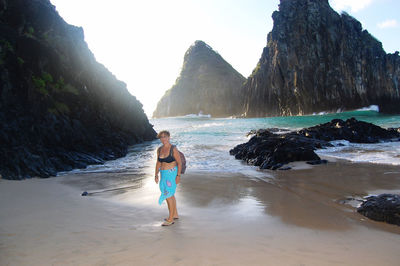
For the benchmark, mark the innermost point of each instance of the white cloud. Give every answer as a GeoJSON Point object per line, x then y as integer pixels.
{"type": "Point", "coordinates": [353, 5]}
{"type": "Point", "coordinates": [390, 23]}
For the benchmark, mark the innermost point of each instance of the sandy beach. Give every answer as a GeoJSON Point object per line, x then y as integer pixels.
{"type": "Point", "coordinates": [297, 217]}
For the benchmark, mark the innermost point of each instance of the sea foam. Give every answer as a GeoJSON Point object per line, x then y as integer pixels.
{"type": "Point", "coordinates": [370, 108]}
{"type": "Point", "coordinates": [206, 142]}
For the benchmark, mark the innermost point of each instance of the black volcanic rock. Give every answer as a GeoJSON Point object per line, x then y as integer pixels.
{"type": "Point", "coordinates": [59, 108]}
{"type": "Point", "coordinates": [317, 60]}
{"type": "Point", "coordinates": [383, 208]}
{"type": "Point", "coordinates": [351, 130]}
{"type": "Point", "coordinates": [272, 151]}
{"type": "Point", "coordinates": [207, 84]}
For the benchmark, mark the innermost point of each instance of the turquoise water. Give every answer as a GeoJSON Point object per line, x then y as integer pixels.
{"type": "Point", "coordinates": [206, 142]}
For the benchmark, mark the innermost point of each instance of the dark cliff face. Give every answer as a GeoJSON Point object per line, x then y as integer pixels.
{"type": "Point", "coordinates": [317, 60]}
{"type": "Point", "coordinates": [59, 108]}
{"type": "Point", "coordinates": [207, 83]}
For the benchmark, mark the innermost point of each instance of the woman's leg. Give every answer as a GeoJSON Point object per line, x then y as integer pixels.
{"type": "Point", "coordinates": [169, 188]}
{"type": "Point", "coordinates": [176, 208]}
{"type": "Point", "coordinates": [171, 209]}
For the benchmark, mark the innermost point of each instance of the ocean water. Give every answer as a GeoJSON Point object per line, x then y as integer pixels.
{"type": "Point", "coordinates": [206, 142]}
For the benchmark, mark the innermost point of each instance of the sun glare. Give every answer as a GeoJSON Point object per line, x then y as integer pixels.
{"type": "Point", "coordinates": [143, 42]}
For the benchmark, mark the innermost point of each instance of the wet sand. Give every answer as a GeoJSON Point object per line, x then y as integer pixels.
{"type": "Point", "coordinates": [301, 217]}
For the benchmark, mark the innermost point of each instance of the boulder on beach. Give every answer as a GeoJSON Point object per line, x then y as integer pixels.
{"type": "Point", "coordinates": [351, 130]}
{"type": "Point", "coordinates": [269, 150]}
{"type": "Point", "coordinates": [383, 208]}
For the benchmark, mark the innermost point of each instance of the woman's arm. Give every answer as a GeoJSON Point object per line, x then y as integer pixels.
{"type": "Point", "coordinates": [179, 162]}
{"type": "Point", "coordinates": [158, 165]}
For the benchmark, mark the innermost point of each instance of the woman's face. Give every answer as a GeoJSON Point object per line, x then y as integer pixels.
{"type": "Point", "coordinates": [164, 138]}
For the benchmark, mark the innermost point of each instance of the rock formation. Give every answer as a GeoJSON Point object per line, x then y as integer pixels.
{"type": "Point", "coordinates": [272, 151]}
{"type": "Point", "coordinates": [317, 60]}
{"type": "Point", "coordinates": [207, 84]}
{"type": "Point", "coordinates": [383, 208]}
{"type": "Point", "coordinates": [59, 108]}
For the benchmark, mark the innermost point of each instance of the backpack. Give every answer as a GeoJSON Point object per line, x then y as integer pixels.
{"type": "Point", "coordinates": [183, 159]}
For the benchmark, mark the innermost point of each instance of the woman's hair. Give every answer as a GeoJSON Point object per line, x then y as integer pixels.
{"type": "Point", "coordinates": [163, 132]}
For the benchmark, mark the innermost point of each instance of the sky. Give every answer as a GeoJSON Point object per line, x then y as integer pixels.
{"type": "Point", "coordinates": [143, 42]}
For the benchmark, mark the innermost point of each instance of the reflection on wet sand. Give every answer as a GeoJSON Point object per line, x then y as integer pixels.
{"type": "Point", "coordinates": [324, 197]}
{"type": "Point", "coordinates": [321, 197]}
{"type": "Point", "coordinates": [297, 217]}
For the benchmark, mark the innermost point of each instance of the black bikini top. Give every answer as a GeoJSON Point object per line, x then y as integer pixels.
{"type": "Point", "coordinates": [169, 159]}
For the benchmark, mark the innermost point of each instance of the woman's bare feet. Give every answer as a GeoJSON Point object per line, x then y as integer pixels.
{"type": "Point", "coordinates": [167, 223]}
{"type": "Point", "coordinates": [175, 218]}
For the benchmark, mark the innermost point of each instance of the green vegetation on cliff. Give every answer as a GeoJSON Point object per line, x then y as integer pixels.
{"type": "Point", "coordinates": [59, 108]}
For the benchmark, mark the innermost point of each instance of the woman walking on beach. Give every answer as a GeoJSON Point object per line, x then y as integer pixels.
{"type": "Point", "coordinates": [169, 166]}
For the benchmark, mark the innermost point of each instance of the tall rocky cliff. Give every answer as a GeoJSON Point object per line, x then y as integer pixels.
{"type": "Point", "coordinates": [59, 108]}
{"type": "Point", "coordinates": [207, 84]}
{"type": "Point", "coordinates": [317, 60]}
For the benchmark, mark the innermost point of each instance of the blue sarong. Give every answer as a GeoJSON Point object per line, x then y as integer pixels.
{"type": "Point", "coordinates": [167, 183]}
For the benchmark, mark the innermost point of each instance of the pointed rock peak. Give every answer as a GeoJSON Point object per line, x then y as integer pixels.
{"type": "Point", "coordinates": [199, 48]}
{"type": "Point", "coordinates": [207, 84]}
{"type": "Point", "coordinates": [200, 45]}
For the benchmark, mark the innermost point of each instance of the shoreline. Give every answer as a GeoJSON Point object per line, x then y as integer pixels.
{"type": "Point", "coordinates": [284, 217]}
